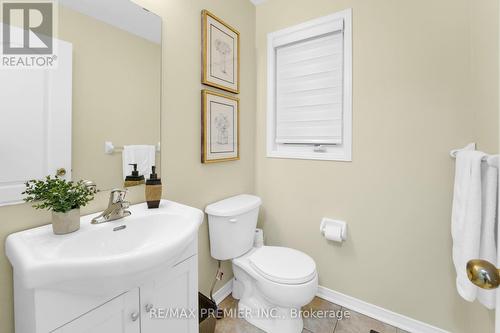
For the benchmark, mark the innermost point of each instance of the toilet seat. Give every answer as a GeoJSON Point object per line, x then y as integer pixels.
{"type": "Point", "coordinates": [283, 265]}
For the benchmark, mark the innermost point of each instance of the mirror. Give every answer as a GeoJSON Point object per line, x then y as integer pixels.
{"type": "Point", "coordinates": [74, 119]}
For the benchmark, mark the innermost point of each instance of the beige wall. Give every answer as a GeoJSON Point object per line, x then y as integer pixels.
{"type": "Point", "coordinates": [185, 179]}
{"type": "Point", "coordinates": [484, 64]}
{"type": "Point", "coordinates": [116, 94]}
{"type": "Point", "coordinates": [412, 103]}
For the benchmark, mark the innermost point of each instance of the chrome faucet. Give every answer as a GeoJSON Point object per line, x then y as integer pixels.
{"type": "Point", "coordinates": [117, 207]}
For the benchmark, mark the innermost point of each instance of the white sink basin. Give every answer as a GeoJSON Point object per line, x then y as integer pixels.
{"type": "Point", "coordinates": [98, 252]}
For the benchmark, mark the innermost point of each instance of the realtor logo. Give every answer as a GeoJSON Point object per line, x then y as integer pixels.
{"type": "Point", "coordinates": [28, 27]}
{"type": "Point", "coordinates": [28, 34]}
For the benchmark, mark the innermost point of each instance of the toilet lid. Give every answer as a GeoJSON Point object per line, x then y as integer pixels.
{"type": "Point", "coordinates": [283, 265]}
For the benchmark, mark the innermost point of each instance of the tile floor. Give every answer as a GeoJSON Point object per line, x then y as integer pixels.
{"type": "Point", "coordinates": [356, 323]}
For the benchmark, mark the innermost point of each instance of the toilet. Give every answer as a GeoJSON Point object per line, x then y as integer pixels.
{"type": "Point", "coordinates": [272, 283]}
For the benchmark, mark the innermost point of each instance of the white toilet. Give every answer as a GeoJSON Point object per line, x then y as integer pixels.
{"type": "Point", "coordinates": [272, 283]}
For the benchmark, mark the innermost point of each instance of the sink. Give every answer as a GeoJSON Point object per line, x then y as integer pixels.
{"type": "Point", "coordinates": [107, 253]}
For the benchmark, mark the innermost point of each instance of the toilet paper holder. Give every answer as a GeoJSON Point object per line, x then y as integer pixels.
{"type": "Point", "coordinates": [325, 222]}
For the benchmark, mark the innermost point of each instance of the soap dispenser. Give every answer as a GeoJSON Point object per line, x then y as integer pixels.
{"type": "Point", "coordinates": [134, 179]}
{"type": "Point", "coordinates": [153, 189]}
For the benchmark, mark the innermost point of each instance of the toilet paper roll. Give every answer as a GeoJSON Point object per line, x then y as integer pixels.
{"type": "Point", "coordinates": [258, 240]}
{"type": "Point", "coordinates": [333, 233]}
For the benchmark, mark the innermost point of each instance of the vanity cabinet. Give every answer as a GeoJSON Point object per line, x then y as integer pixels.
{"type": "Point", "coordinates": [167, 303]}
{"type": "Point", "coordinates": [138, 274]}
{"type": "Point", "coordinates": [163, 299]}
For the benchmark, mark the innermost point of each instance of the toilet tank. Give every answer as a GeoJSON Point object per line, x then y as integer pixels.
{"type": "Point", "coordinates": [231, 225]}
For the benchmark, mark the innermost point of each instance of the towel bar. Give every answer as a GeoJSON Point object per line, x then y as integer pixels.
{"type": "Point", "coordinates": [109, 148]}
{"type": "Point", "coordinates": [492, 160]}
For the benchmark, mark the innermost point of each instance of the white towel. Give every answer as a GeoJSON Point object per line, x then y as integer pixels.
{"type": "Point", "coordinates": [488, 247]}
{"type": "Point", "coordinates": [466, 218]}
{"type": "Point", "coordinates": [144, 156]}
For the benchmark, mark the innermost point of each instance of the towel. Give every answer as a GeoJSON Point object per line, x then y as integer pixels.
{"type": "Point", "coordinates": [144, 156]}
{"type": "Point", "coordinates": [488, 247]}
{"type": "Point", "coordinates": [466, 218]}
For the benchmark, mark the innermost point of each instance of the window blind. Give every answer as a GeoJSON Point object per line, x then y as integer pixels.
{"type": "Point", "coordinates": [309, 89]}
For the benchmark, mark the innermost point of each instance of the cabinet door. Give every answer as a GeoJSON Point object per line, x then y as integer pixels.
{"type": "Point", "coordinates": [170, 302]}
{"type": "Point", "coordinates": [119, 315]}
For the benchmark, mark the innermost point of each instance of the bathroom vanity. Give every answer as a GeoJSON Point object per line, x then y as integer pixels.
{"type": "Point", "coordinates": [137, 274]}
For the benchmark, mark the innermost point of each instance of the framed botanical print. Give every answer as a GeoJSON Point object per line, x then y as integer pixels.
{"type": "Point", "coordinates": [221, 54]}
{"type": "Point", "coordinates": [220, 127]}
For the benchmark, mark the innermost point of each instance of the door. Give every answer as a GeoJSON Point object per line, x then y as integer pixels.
{"type": "Point", "coordinates": [497, 308]}
{"type": "Point", "coordinates": [170, 302]}
{"type": "Point", "coordinates": [119, 315]}
{"type": "Point", "coordinates": [35, 130]}
{"type": "Point", "coordinates": [497, 314]}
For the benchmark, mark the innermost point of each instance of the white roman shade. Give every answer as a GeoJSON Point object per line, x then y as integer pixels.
{"type": "Point", "coordinates": [309, 78]}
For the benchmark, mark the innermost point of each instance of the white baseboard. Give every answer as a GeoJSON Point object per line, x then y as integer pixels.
{"type": "Point", "coordinates": [354, 304]}
{"type": "Point", "coordinates": [223, 292]}
{"type": "Point", "coordinates": [376, 312]}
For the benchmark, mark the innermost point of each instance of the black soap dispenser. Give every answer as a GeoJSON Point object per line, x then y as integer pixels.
{"type": "Point", "coordinates": [153, 189]}
{"type": "Point", "coordinates": [134, 179]}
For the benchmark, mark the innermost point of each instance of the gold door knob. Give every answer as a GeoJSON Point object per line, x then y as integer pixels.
{"type": "Point", "coordinates": [483, 274]}
{"type": "Point", "coordinates": [61, 172]}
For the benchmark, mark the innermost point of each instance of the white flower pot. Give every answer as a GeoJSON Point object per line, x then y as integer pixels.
{"type": "Point", "coordinates": [65, 223]}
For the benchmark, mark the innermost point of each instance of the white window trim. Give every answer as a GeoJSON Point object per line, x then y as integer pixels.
{"type": "Point", "coordinates": [331, 152]}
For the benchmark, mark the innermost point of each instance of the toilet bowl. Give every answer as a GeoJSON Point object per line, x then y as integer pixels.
{"type": "Point", "coordinates": [272, 283]}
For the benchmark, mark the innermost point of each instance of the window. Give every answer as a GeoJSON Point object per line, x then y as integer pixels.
{"type": "Point", "coordinates": [309, 111]}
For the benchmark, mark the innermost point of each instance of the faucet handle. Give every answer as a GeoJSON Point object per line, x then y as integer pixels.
{"type": "Point", "coordinates": [90, 185]}
{"type": "Point", "coordinates": [117, 195]}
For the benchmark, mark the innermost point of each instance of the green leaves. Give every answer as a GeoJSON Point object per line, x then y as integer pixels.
{"type": "Point", "coordinates": [57, 194]}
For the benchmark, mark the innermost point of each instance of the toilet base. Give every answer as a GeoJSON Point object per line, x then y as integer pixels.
{"type": "Point", "coordinates": [271, 306]}
{"type": "Point", "coordinates": [254, 308]}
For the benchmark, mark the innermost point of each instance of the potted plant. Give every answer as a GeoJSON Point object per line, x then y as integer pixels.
{"type": "Point", "coordinates": [64, 198]}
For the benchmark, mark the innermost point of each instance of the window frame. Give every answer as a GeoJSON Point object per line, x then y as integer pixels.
{"type": "Point", "coordinates": [341, 152]}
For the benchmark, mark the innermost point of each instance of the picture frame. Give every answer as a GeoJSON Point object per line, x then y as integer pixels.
{"type": "Point", "coordinates": [221, 54]}
{"type": "Point", "coordinates": [220, 139]}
